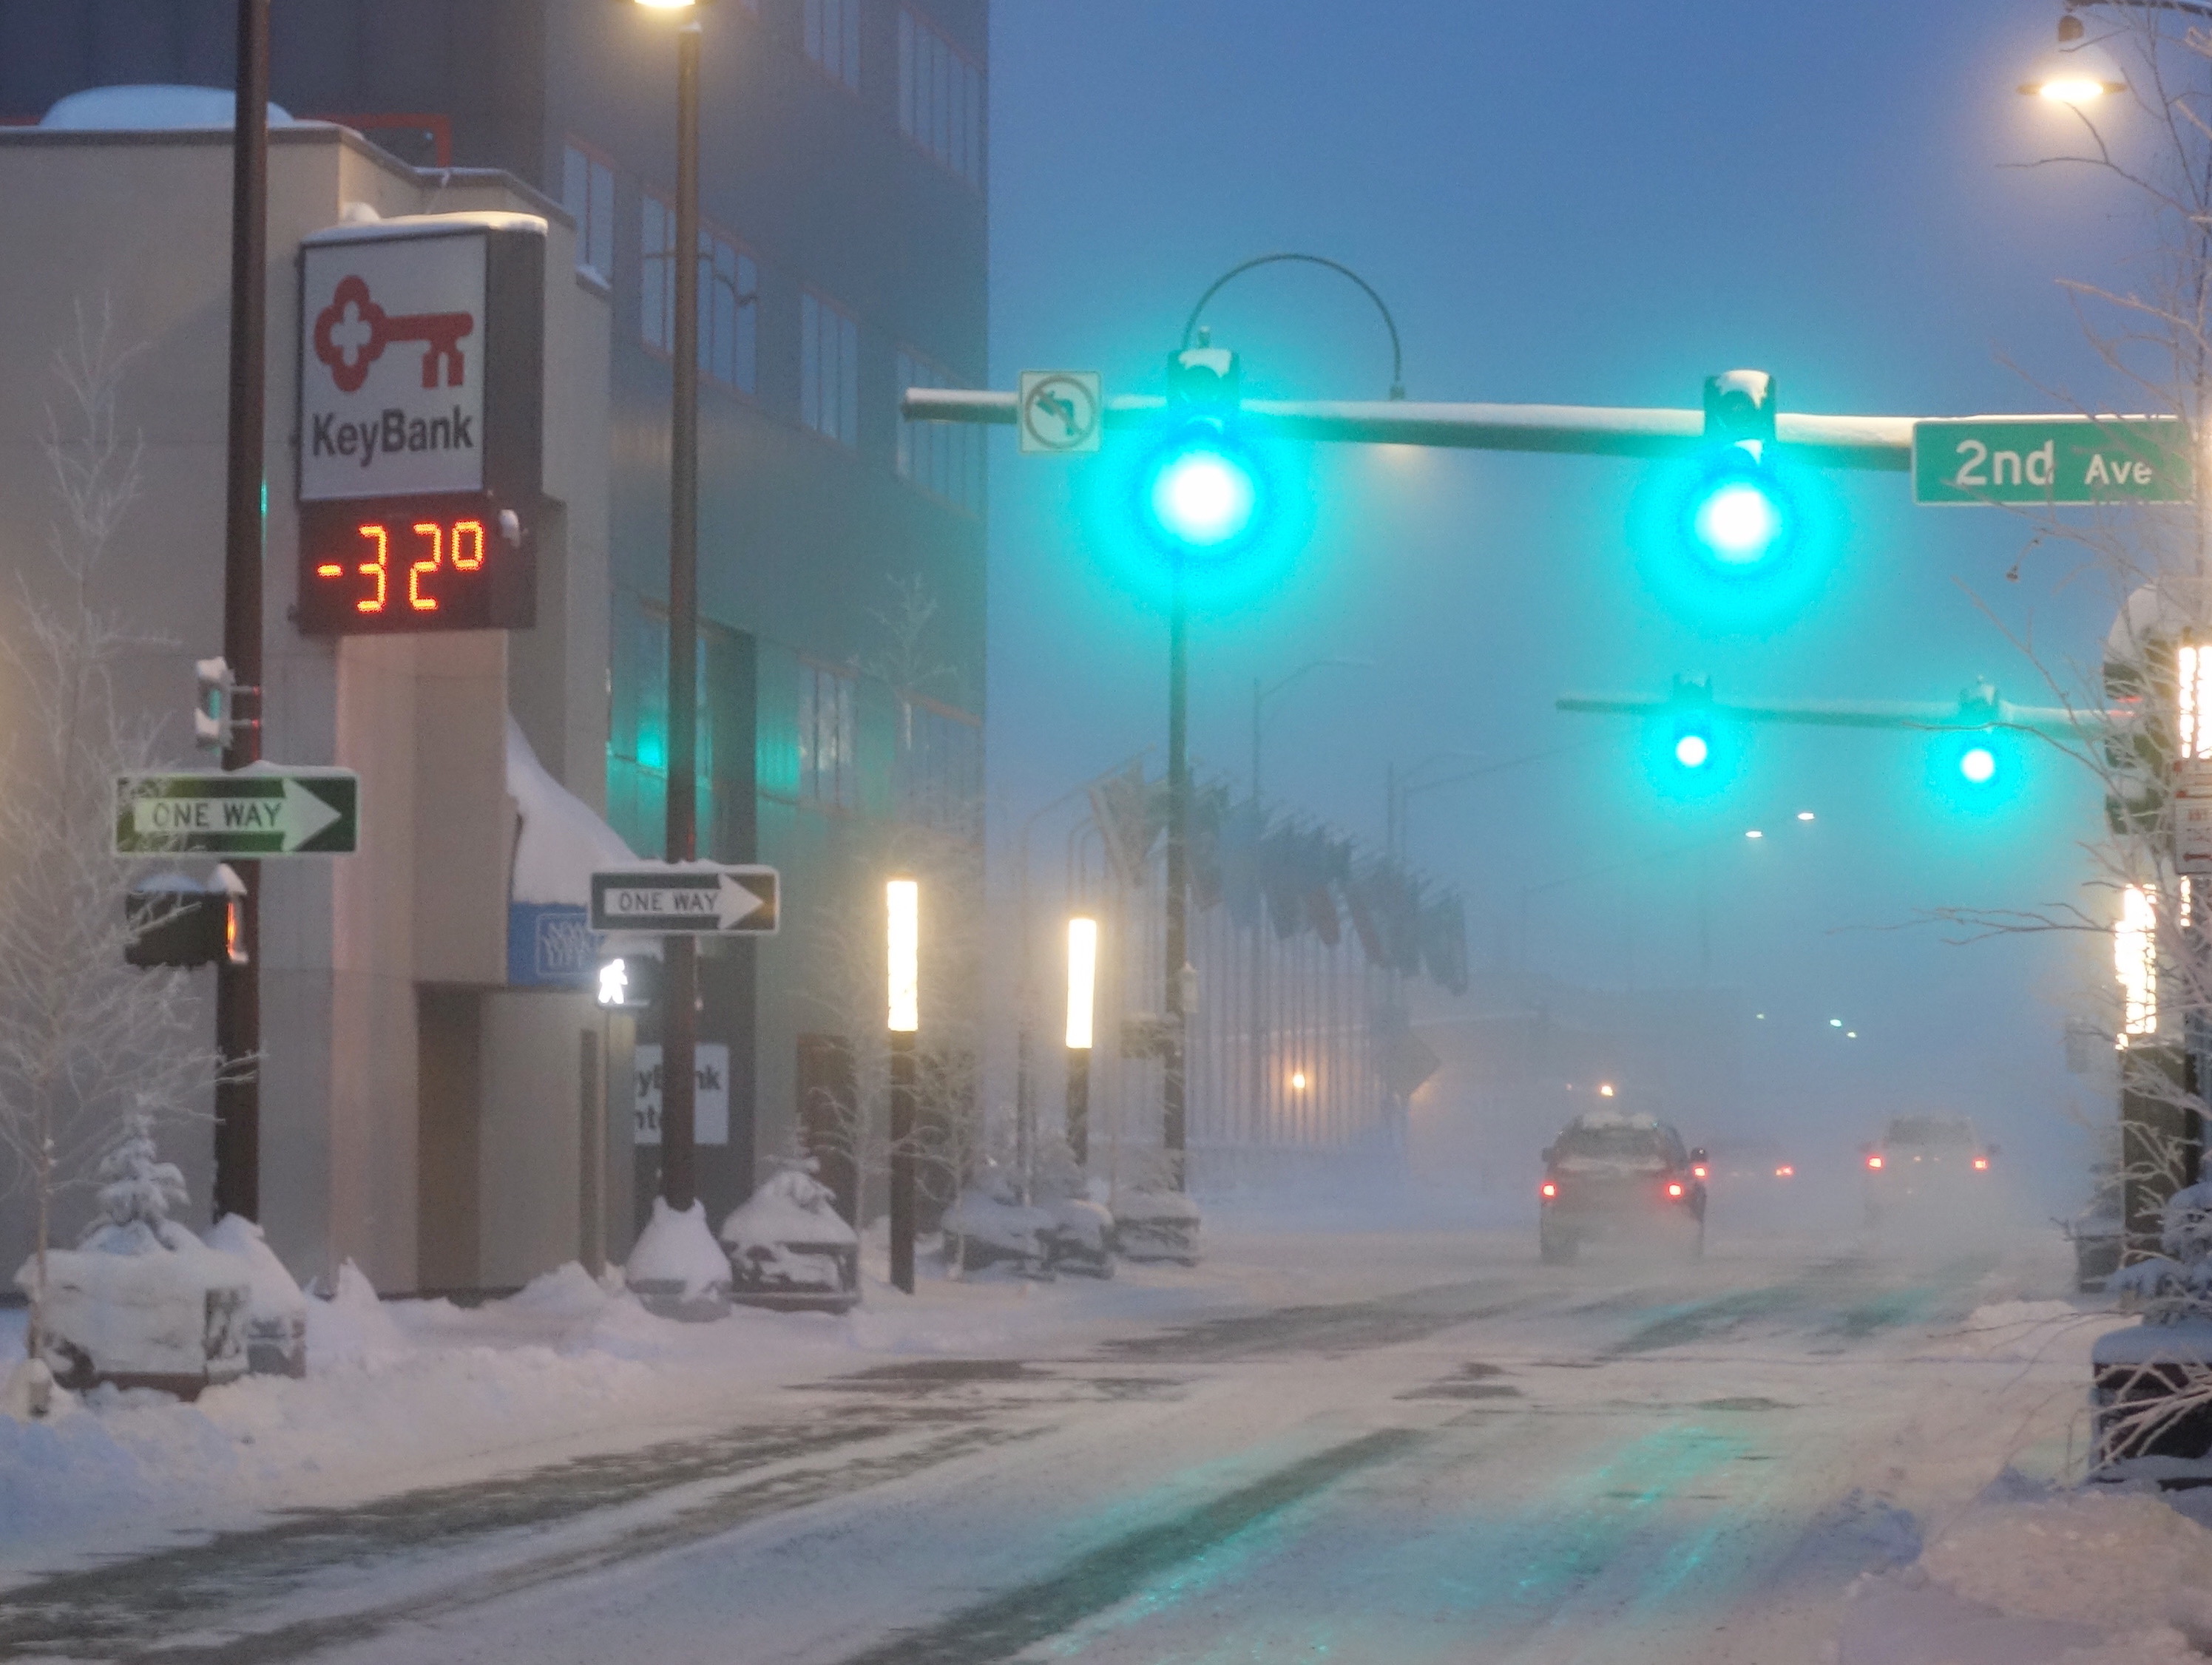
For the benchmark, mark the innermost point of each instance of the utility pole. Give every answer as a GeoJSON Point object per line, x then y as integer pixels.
{"type": "Point", "coordinates": [237, 1189]}
{"type": "Point", "coordinates": [1172, 1046]}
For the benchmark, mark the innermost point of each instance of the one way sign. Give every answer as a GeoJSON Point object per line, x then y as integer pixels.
{"type": "Point", "coordinates": [690, 896]}
{"type": "Point", "coordinates": [261, 810]}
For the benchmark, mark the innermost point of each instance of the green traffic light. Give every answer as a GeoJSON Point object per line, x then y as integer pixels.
{"type": "Point", "coordinates": [1201, 493]}
{"type": "Point", "coordinates": [1738, 521]}
{"type": "Point", "coordinates": [1692, 751]}
{"type": "Point", "coordinates": [1978, 764]}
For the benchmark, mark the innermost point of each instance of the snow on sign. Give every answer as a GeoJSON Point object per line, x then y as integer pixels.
{"type": "Point", "coordinates": [710, 1100]}
{"type": "Point", "coordinates": [261, 810]}
{"type": "Point", "coordinates": [1061, 412]}
{"type": "Point", "coordinates": [2050, 459]}
{"type": "Point", "coordinates": [421, 395]}
{"type": "Point", "coordinates": [696, 896]}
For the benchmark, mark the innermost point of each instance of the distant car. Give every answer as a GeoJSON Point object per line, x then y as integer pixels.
{"type": "Point", "coordinates": [1926, 1165]}
{"type": "Point", "coordinates": [1613, 1175]}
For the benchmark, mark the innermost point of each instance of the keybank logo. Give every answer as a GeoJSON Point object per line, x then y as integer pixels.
{"type": "Point", "coordinates": [352, 332]}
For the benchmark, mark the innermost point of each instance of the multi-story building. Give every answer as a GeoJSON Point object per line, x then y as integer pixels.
{"type": "Point", "coordinates": [845, 159]}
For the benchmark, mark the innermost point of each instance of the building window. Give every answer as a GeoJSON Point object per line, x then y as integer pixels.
{"type": "Point", "coordinates": [588, 192]}
{"type": "Point", "coordinates": [833, 39]}
{"type": "Point", "coordinates": [729, 298]}
{"type": "Point", "coordinates": [940, 98]}
{"type": "Point", "coordinates": [829, 370]}
{"type": "Point", "coordinates": [940, 769]}
{"type": "Point", "coordinates": [827, 717]}
{"type": "Point", "coordinates": [945, 458]}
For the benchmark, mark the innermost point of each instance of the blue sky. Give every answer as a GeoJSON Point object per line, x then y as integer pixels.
{"type": "Point", "coordinates": [1598, 204]}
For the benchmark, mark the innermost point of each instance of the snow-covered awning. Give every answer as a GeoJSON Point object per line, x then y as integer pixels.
{"type": "Point", "coordinates": [561, 840]}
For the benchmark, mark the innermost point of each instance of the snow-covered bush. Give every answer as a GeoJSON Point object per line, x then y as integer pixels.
{"type": "Point", "coordinates": [677, 1270]}
{"type": "Point", "coordinates": [989, 1224]}
{"type": "Point", "coordinates": [788, 1245]}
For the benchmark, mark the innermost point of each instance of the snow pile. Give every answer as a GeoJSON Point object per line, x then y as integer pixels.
{"type": "Point", "coordinates": [149, 108]}
{"type": "Point", "coordinates": [563, 839]}
{"type": "Point", "coordinates": [566, 1292]}
{"type": "Point", "coordinates": [2111, 1561]}
{"type": "Point", "coordinates": [352, 1328]}
{"type": "Point", "coordinates": [276, 1295]}
{"type": "Point", "coordinates": [2022, 1329]}
{"type": "Point", "coordinates": [788, 1237]}
{"type": "Point", "coordinates": [677, 1251]}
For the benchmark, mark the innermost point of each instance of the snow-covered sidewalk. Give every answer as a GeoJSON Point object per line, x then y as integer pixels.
{"type": "Point", "coordinates": [402, 1394]}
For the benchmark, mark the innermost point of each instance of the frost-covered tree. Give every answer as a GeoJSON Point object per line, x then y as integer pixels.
{"type": "Point", "coordinates": [85, 1040]}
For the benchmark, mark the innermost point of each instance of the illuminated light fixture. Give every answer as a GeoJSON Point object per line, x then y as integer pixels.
{"type": "Point", "coordinates": [1297, 1080]}
{"type": "Point", "coordinates": [1761, 1016]}
{"type": "Point", "coordinates": [1605, 1090]}
{"type": "Point", "coordinates": [1981, 1164]}
{"type": "Point", "coordinates": [1698, 1171]}
{"type": "Point", "coordinates": [1548, 1189]}
{"type": "Point", "coordinates": [1978, 764]}
{"type": "Point", "coordinates": [1785, 1172]}
{"type": "Point", "coordinates": [614, 984]}
{"type": "Point", "coordinates": [2135, 962]}
{"type": "Point", "coordinates": [1850, 1034]}
{"type": "Point", "coordinates": [902, 936]}
{"type": "Point", "coordinates": [1754, 833]}
{"type": "Point", "coordinates": [1738, 523]}
{"type": "Point", "coordinates": [669, 5]}
{"type": "Point", "coordinates": [2079, 72]}
{"type": "Point", "coordinates": [1691, 751]}
{"type": "Point", "coordinates": [1874, 1161]}
{"type": "Point", "coordinates": [1804, 814]}
{"type": "Point", "coordinates": [1673, 1187]}
{"type": "Point", "coordinates": [1835, 1023]}
{"type": "Point", "coordinates": [2193, 666]}
{"type": "Point", "coordinates": [1082, 980]}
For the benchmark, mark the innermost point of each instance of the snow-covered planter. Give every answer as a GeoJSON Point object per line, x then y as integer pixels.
{"type": "Point", "coordinates": [141, 1302]}
{"type": "Point", "coordinates": [1082, 1236]}
{"type": "Point", "coordinates": [276, 1314]}
{"type": "Point", "coordinates": [1156, 1225]}
{"type": "Point", "coordinates": [790, 1249]}
{"type": "Point", "coordinates": [677, 1270]}
{"type": "Point", "coordinates": [988, 1225]}
{"type": "Point", "coordinates": [2151, 1383]}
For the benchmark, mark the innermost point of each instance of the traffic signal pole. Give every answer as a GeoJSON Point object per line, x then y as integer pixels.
{"type": "Point", "coordinates": [1173, 1045]}
{"type": "Point", "coordinates": [237, 1189]}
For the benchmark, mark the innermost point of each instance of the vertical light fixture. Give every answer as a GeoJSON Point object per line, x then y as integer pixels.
{"type": "Point", "coordinates": [2193, 669]}
{"type": "Point", "coordinates": [2135, 962]}
{"type": "Point", "coordinates": [1082, 994]}
{"type": "Point", "coordinates": [902, 939]}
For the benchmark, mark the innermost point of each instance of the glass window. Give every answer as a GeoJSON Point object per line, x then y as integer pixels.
{"type": "Point", "coordinates": [829, 370]}
{"type": "Point", "coordinates": [940, 100]}
{"type": "Point", "coordinates": [943, 458]}
{"type": "Point", "coordinates": [656, 319]}
{"type": "Point", "coordinates": [588, 192]}
{"type": "Point", "coordinates": [729, 298]}
{"type": "Point", "coordinates": [833, 39]}
{"type": "Point", "coordinates": [827, 737]}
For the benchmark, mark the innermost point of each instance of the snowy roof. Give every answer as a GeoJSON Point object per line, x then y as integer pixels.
{"type": "Point", "coordinates": [356, 230]}
{"type": "Point", "coordinates": [1613, 1118]}
{"type": "Point", "coordinates": [562, 839]}
{"type": "Point", "coordinates": [143, 108]}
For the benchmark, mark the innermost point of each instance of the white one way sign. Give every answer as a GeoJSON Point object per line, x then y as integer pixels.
{"type": "Point", "coordinates": [690, 896]}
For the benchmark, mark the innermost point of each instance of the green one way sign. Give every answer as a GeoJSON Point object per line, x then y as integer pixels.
{"type": "Point", "coordinates": [260, 810]}
{"type": "Point", "coordinates": [2051, 460]}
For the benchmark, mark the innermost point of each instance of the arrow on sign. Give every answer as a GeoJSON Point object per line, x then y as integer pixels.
{"type": "Point", "coordinates": [689, 898]}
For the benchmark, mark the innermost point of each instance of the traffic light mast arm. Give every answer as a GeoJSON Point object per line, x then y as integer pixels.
{"type": "Point", "coordinates": [1847, 442]}
{"type": "Point", "coordinates": [1853, 713]}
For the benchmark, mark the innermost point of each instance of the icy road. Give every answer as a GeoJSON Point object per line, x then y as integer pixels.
{"type": "Point", "coordinates": [1492, 1460]}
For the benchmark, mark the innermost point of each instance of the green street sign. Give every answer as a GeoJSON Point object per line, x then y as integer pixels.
{"type": "Point", "coordinates": [2051, 460]}
{"type": "Point", "coordinates": [261, 810]}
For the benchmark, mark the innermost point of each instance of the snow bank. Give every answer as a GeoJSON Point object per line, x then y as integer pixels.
{"type": "Point", "coordinates": [562, 841]}
{"type": "Point", "coordinates": [678, 1250]}
{"type": "Point", "coordinates": [275, 1293]}
{"type": "Point", "coordinates": [2094, 1559]}
{"type": "Point", "coordinates": [352, 1327]}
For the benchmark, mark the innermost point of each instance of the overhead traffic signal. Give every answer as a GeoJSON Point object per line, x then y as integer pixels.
{"type": "Point", "coordinates": [1201, 492]}
{"type": "Point", "coordinates": [1737, 513]}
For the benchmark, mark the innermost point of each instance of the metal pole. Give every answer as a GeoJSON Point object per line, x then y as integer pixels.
{"type": "Point", "coordinates": [237, 1189]}
{"type": "Point", "coordinates": [902, 1160]}
{"type": "Point", "coordinates": [679, 1023]}
{"type": "Point", "coordinates": [591, 1151]}
{"type": "Point", "coordinates": [1171, 1076]}
{"type": "Point", "coordinates": [1079, 1105]}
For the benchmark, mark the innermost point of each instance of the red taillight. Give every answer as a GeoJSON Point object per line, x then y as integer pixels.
{"type": "Point", "coordinates": [1548, 1189]}
{"type": "Point", "coordinates": [1698, 1172]}
{"type": "Point", "coordinates": [1981, 1164]}
{"type": "Point", "coordinates": [1874, 1161]}
{"type": "Point", "coordinates": [1785, 1172]}
{"type": "Point", "coordinates": [1674, 1188]}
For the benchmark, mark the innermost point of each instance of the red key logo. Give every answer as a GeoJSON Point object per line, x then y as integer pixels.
{"type": "Point", "coordinates": [352, 332]}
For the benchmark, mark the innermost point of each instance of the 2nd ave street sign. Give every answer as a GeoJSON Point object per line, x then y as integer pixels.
{"type": "Point", "coordinates": [260, 810]}
{"type": "Point", "coordinates": [2051, 460]}
{"type": "Point", "coordinates": [656, 900]}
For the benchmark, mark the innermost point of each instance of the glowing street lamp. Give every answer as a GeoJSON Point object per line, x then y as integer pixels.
{"type": "Point", "coordinates": [2081, 72]}
{"type": "Point", "coordinates": [902, 941]}
{"type": "Point", "coordinates": [1082, 989]}
{"type": "Point", "coordinates": [2135, 962]}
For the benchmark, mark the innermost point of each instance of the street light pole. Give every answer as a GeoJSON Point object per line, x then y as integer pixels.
{"type": "Point", "coordinates": [1172, 1047]}
{"type": "Point", "coordinates": [679, 1023]}
{"type": "Point", "coordinates": [237, 1189]}
{"type": "Point", "coordinates": [903, 942]}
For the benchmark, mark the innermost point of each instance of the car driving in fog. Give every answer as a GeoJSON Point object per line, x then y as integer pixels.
{"type": "Point", "coordinates": [1926, 1166]}
{"type": "Point", "coordinates": [1612, 1175]}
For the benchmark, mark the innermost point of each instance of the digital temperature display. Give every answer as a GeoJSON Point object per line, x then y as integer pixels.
{"type": "Point", "coordinates": [453, 562]}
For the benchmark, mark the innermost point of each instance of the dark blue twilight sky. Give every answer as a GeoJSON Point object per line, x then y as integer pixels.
{"type": "Point", "coordinates": [1583, 203]}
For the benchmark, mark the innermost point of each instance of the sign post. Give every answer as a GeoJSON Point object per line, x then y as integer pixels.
{"type": "Point", "coordinates": [2073, 460]}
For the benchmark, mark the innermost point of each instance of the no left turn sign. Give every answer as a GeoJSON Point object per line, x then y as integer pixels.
{"type": "Point", "coordinates": [1061, 412]}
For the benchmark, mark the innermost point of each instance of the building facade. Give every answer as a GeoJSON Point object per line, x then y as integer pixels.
{"type": "Point", "coordinates": [845, 160]}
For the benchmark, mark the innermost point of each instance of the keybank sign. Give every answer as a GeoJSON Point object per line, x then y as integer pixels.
{"type": "Point", "coordinates": [408, 328]}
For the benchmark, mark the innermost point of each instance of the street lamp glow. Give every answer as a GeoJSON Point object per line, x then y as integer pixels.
{"type": "Point", "coordinates": [2079, 72]}
{"type": "Point", "coordinates": [1754, 833]}
{"type": "Point", "coordinates": [1297, 1080]}
{"type": "Point", "coordinates": [1203, 499]}
{"type": "Point", "coordinates": [1978, 764]}
{"type": "Point", "coordinates": [902, 901]}
{"type": "Point", "coordinates": [1804, 814]}
{"type": "Point", "coordinates": [1691, 751]}
{"type": "Point", "coordinates": [1082, 980]}
{"type": "Point", "coordinates": [1605, 1090]}
{"type": "Point", "coordinates": [669, 5]}
{"type": "Point", "coordinates": [2135, 961]}
{"type": "Point", "coordinates": [1738, 523]}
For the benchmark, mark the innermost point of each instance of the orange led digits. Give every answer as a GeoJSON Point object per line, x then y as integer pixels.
{"type": "Point", "coordinates": [468, 535]}
{"type": "Point", "coordinates": [374, 568]}
{"type": "Point", "coordinates": [430, 563]}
